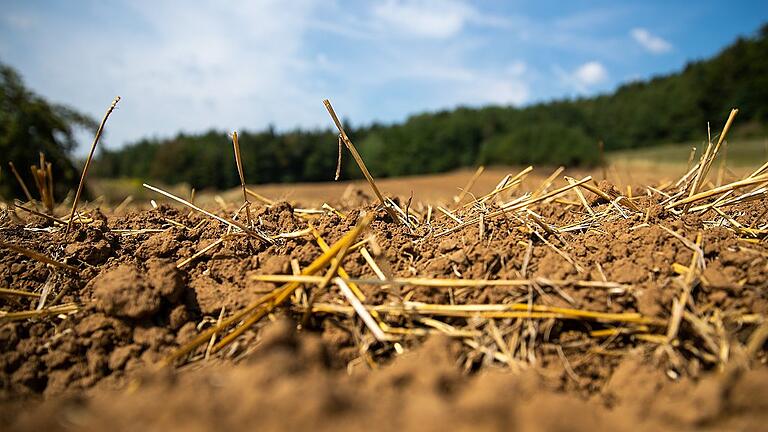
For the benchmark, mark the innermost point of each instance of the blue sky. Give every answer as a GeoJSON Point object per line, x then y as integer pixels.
{"type": "Point", "coordinates": [231, 65]}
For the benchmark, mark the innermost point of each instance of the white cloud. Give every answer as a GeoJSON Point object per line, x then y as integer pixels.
{"type": "Point", "coordinates": [652, 43]}
{"type": "Point", "coordinates": [584, 78]}
{"type": "Point", "coordinates": [508, 86]}
{"type": "Point", "coordinates": [433, 19]}
{"type": "Point", "coordinates": [590, 74]}
{"type": "Point", "coordinates": [424, 18]}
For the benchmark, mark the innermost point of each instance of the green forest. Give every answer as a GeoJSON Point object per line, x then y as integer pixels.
{"type": "Point", "coordinates": [664, 109]}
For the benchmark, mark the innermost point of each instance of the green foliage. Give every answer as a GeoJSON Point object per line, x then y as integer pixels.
{"type": "Point", "coordinates": [30, 125]}
{"type": "Point", "coordinates": [541, 143]}
{"type": "Point", "coordinates": [207, 160]}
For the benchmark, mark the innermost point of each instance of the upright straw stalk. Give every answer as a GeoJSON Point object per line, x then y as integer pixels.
{"type": "Point", "coordinates": [88, 162]}
{"type": "Point", "coordinates": [239, 162]}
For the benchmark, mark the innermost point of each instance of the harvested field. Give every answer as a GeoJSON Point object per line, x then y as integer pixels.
{"type": "Point", "coordinates": [556, 304]}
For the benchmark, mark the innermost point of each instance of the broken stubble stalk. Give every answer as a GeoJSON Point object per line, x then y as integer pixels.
{"type": "Point", "coordinates": [360, 163]}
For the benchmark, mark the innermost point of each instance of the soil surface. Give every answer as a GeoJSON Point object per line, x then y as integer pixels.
{"type": "Point", "coordinates": [596, 355]}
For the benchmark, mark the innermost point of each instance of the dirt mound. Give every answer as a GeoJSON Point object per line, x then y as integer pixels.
{"type": "Point", "coordinates": [611, 311]}
{"type": "Point", "coordinates": [287, 383]}
{"type": "Point", "coordinates": [127, 291]}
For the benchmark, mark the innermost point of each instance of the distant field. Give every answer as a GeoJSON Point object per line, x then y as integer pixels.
{"type": "Point", "coordinates": [739, 153]}
{"type": "Point", "coordinates": [642, 166]}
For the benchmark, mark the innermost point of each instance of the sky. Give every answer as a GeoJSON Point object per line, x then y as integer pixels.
{"type": "Point", "coordinates": [232, 65]}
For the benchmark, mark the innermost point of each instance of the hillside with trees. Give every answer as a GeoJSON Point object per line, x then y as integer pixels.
{"type": "Point", "coordinates": [664, 109]}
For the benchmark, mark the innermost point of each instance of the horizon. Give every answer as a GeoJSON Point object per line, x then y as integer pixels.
{"type": "Point", "coordinates": [187, 70]}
